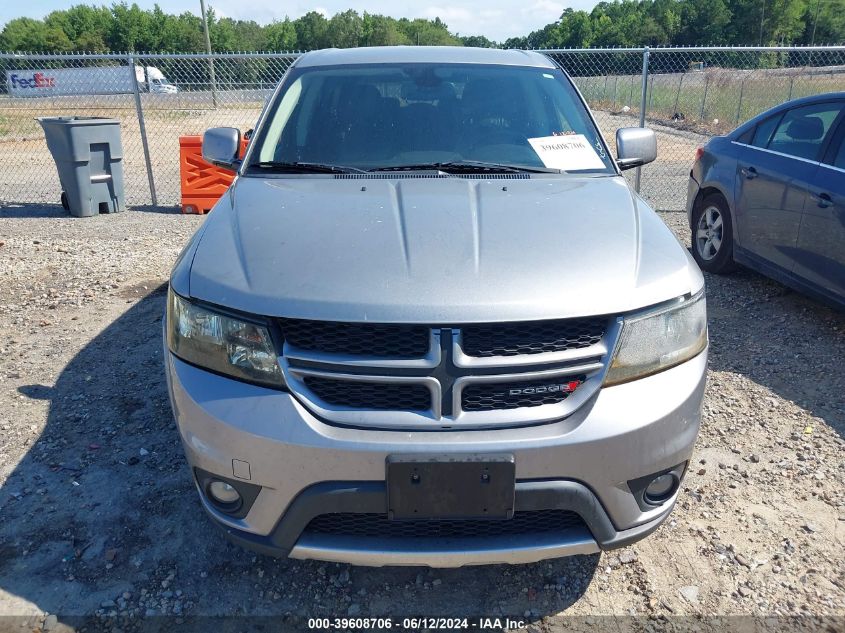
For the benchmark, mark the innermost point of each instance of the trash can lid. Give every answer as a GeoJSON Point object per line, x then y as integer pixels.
{"type": "Point", "coordinates": [78, 120]}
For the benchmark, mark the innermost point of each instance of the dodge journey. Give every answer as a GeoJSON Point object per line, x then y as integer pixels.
{"type": "Point", "coordinates": [430, 323]}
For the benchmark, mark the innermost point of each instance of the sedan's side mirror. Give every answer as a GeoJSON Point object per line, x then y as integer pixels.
{"type": "Point", "coordinates": [635, 146]}
{"type": "Point", "coordinates": [220, 147]}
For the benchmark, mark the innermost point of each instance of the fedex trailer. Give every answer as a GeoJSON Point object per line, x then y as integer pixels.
{"type": "Point", "coordinates": [86, 81]}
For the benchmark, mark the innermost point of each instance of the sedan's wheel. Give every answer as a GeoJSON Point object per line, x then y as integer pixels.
{"type": "Point", "coordinates": [708, 233]}
{"type": "Point", "coordinates": [712, 237]}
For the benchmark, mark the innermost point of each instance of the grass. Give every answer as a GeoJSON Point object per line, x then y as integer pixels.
{"type": "Point", "coordinates": [17, 118]}
{"type": "Point", "coordinates": [714, 101]}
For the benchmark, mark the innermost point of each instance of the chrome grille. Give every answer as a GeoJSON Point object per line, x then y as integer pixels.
{"type": "Point", "coordinates": [528, 522]}
{"type": "Point", "coordinates": [515, 395]}
{"type": "Point", "coordinates": [383, 376]}
{"type": "Point", "coordinates": [370, 395]}
{"type": "Point", "coordinates": [356, 339]}
{"type": "Point", "coordinates": [514, 339]}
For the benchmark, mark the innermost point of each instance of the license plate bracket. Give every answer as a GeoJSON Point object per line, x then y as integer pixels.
{"type": "Point", "coordinates": [461, 486]}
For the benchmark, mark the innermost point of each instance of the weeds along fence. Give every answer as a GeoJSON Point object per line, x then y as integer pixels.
{"type": "Point", "coordinates": [686, 94]}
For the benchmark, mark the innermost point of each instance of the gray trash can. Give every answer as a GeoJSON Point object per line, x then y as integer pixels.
{"type": "Point", "coordinates": [89, 157]}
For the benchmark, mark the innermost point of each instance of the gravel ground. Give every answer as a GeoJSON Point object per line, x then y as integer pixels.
{"type": "Point", "coordinates": [98, 516]}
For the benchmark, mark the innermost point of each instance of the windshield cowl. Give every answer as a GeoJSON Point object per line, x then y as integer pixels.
{"type": "Point", "coordinates": [303, 168]}
{"type": "Point", "coordinates": [468, 166]}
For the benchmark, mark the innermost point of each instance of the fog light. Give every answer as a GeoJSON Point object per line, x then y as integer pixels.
{"type": "Point", "coordinates": [661, 488]}
{"type": "Point", "coordinates": [223, 493]}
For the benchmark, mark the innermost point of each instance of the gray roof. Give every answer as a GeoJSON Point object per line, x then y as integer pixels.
{"type": "Point", "coordinates": [423, 54]}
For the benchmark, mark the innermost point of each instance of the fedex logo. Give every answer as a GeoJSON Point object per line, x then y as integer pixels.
{"type": "Point", "coordinates": [37, 80]}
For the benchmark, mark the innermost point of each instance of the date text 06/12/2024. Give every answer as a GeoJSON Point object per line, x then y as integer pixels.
{"type": "Point", "coordinates": [415, 623]}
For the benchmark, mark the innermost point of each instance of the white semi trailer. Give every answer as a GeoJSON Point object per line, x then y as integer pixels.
{"type": "Point", "coordinates": [97, 80]}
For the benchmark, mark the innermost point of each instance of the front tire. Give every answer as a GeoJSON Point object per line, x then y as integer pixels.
{"type": "Point", "coordinates": [712, 235]}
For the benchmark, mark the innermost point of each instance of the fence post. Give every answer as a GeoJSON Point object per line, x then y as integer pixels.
{"type": "Point", "coordinates": [739, 104]}
{"type": "Point", "coordinates": [651, 92]}
{"type": "Point", "coordinates": [139, 111]}
{"type": "Point", "coordinates": [643, 105]}
{"type": "Point", "coordinates": [704, 98]}
{"type": "Point", "coordinates": [678, 94]}
{"type": "Point", "coordinates": [213, 79]}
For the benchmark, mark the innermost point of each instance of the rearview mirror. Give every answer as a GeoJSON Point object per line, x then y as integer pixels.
{"type": "Point", "coordinates": [635, 146]}
{"type": "Point", "coordinates": [220, 147]}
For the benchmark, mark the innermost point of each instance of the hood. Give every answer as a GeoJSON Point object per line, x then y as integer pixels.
{"type": "Point", "coordinates": [437, 250]}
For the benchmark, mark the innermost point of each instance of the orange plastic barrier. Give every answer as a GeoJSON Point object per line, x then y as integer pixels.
{"type": "Point", "coordinates": [202, 183]}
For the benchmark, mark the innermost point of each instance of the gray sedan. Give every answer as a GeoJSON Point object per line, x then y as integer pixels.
{"type": "Point", "coordinates": [771, 196]}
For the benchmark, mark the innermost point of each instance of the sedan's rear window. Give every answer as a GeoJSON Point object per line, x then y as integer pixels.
{"type": "Point", "coordinates": [391, 115]}
{"type": "Point", "coordinates": [802, 130]}
{"type": "Point", "coordinates": [763, 132]}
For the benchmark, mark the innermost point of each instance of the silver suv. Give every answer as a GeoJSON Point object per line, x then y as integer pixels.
{"type": "Point", "coordinates": [430, 323]}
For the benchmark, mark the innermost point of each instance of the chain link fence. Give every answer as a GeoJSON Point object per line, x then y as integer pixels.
{"type": "Point", "coordinates": [692, 94]}
{"type": "Point", "coordinates": [151, 120]}
{"type": "Point", "coordinates": [686, 94]}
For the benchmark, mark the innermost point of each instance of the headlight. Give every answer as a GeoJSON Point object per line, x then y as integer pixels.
{"type": "Point", "coordinates": [658, 340]}
{"type": "Point", "coordinates": [221, 343]}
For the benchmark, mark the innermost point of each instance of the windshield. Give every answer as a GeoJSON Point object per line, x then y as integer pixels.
{"type": "Point", "coordinates": [393, 116]}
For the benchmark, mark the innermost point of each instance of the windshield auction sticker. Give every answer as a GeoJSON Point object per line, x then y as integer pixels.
{"type": "Point", "coordinates": [570, 152]}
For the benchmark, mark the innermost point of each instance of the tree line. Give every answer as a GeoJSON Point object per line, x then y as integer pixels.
{"type": "Point", "coordinates": [693, 23]}
{"type": "Point", "coordinates": [123, 27]}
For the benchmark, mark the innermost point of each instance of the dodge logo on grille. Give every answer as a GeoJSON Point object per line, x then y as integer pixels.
{"type": "Point", "coordinates": [564, 388]}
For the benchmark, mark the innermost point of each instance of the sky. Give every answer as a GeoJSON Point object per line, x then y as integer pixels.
{"type": "Point", "coordinates": [498, 19]}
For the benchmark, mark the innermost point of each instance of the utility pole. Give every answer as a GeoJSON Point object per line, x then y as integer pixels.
{"type": "Point", "coordinates": [815, 22]}
{"type": "Point", "coordinates": [208, 50]}
{"type": "Point", "coordinates": [813, 36]}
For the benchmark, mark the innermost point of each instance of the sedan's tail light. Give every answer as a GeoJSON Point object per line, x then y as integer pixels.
{"type": "Point", "coordinates": [699, 152]}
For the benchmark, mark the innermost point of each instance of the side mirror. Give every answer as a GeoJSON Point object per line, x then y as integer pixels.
{"type": "Point", "coordinates": [635, 146]}
{"type": "Point", "coordinates": [221, 146]}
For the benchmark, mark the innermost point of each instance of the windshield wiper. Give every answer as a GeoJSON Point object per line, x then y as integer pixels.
{"type": "Point", "coordinates": [473, 166]}
{"type": "Point", "coordinates": [297, 167]}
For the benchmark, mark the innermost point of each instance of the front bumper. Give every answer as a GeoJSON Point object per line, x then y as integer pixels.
{"type": "Point", "coordinates": [305, 467]}
{"type": "Point", "coordinates": [371, 497]}
{"type": "Point", "coordinates": [692, 195]}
